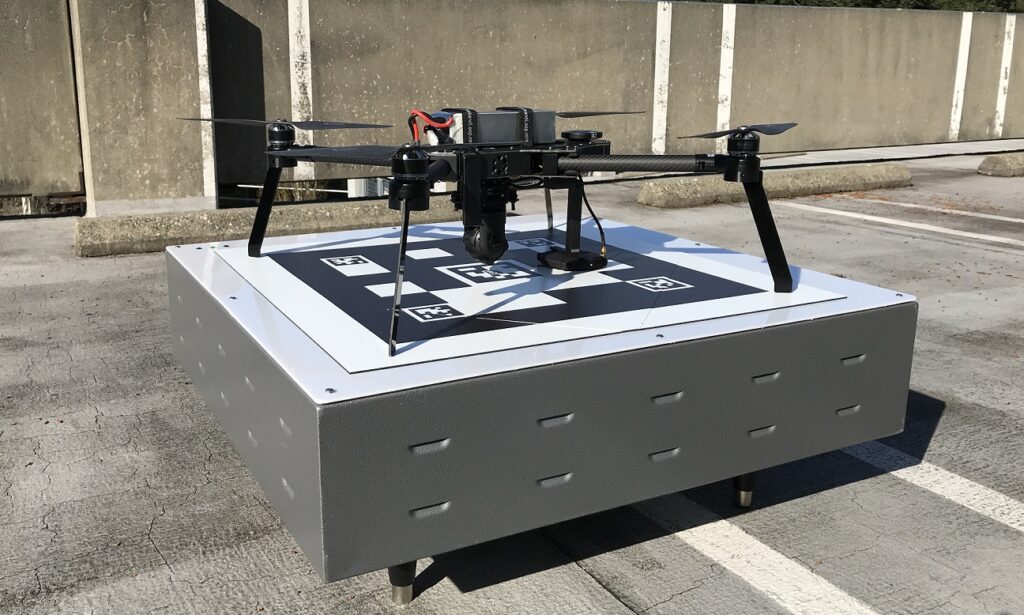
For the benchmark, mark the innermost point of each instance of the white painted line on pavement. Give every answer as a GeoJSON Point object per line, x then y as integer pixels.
{"type": "Point", "coordinates": [942, 210]}
{"type": "Point", "coordinates": [914, 225]}
{"type": "Point", "coordinates": [662, 52]}
{"type": "Point", "coordinates": [960, 80]}
{"type": "Point", "coordinates": [1004, 75]}
{"type": "Point", "coordinates": [786, 582]}
{"type": "Point", "coordinates": [953, 487]}
{"type": "Point", "coordinates": [725, 72]}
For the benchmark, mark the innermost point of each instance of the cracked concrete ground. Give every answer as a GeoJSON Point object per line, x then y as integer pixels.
{"type": "Point", "coordinates": [122, 495]}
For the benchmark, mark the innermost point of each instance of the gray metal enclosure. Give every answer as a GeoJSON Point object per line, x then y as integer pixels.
{"type": "Point", "coordinates": [382, 479]}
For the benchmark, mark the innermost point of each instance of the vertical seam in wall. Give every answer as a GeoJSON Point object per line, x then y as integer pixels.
{"type": "Point", "coordinates": [725, 72]}
{"type": "Point", "coordinates": [300, 60]}
{"type": "Point", "coordinates": [83, 111]}
{"type": "Point", "coordinates": [1004, 75]}
{"type": "Point", "coordinates": [960, 81]}
{"type": "Point", "coordinates": [205, 101]}
{"type": "Point", "coordinates": [662, 53]}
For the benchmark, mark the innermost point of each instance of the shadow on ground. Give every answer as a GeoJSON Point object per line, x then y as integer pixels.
{"type": "Point", "coordinates": [509, 558]}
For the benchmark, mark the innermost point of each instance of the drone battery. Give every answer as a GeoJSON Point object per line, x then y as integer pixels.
{"type": "Point", "coordinates": [497, 127]}
{"type": "Point", "coordinates": [543, 127]}
{"type": "Point", "coordinates": [501, 126]}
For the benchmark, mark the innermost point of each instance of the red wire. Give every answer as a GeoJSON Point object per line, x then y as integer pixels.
{"type": "Point", "coordinates": [431, 121]}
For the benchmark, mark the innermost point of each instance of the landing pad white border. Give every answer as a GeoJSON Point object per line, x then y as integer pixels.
{"type": "Point", "coordinates": [359, 350]}
{"type": "Point", "coordinates": [325, 382]}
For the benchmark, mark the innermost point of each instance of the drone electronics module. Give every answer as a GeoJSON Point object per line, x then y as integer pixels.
{"type": "Point", "coordinates": [406, 391]}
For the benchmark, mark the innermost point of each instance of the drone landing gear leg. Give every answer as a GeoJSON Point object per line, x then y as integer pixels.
{"type": "Point", "coordinates": [572, 258]}
{"type": "Point", "coordinates": [401, 578]}
{"type": "Point", "coordinates": [744, 486]}
{"type": "Point", "coordinates": [769, 235]}
{"type": "Point", "coordinates": [547, 203]}
{"type": "Point", "coordinates": [396, 307]}
{"type": "Point", "coordinates": [259, 223]}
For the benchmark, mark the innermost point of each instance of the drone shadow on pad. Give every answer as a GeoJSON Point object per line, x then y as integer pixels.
{"type": "Point", "coordinates": [510, 558]}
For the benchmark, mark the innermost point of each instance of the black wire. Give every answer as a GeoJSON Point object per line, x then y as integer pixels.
{"type": "Point", "coordinates": [412, 131]}
{"type": "Point", "coordinates": [600, 229]}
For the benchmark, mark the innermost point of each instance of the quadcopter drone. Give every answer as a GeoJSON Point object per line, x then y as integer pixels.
{"type": "Point", "coordinates": [490, 155]}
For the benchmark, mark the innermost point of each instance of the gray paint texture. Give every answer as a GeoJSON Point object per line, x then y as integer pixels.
{"type": "Point", "coordinates": [274, 437]}
{"type": "Point", "coordinates": [37, 100]}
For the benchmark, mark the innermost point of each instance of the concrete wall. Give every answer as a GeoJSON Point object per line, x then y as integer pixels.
{"type": "Point", "coordinates": [39, 153]}
{"type": "Point", "coordinates": [850, 77]}
{"type": "Point", "coordinates": [978, 120]}
{"type": "Point", "coordinates": [372, 61]}
{"type": "Point", "coordinates": [138, 70]}
{"type": "Point", "coordinates": [1014, 116]}
{"type": "Point", "coordinates": [692, 101]}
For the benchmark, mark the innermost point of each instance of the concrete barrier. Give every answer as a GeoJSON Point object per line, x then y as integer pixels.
{"type": "Point", "coordinates": [850, 77]}
{"type": "Point", "coordinates": [711, 189]}
{"type": "Point", "coordinates": [1003, 165]}
{"type": "Point", "coordinates": [109, 235]}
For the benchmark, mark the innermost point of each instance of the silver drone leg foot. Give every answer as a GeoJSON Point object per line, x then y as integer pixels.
{"type": "Point", "coordinates": [744, 486]}
{"type": "Point", "coordinates": [401, 578]}
{"type": "Point", "coordinates": [401, 594]}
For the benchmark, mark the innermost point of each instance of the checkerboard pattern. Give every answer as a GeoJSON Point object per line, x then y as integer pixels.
{"type": "Point", "coordinates": [447, 293]}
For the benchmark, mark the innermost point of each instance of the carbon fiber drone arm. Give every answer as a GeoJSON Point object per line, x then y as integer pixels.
{"type": "Point", "coordinates": [699, 163]}
{"type": "Point", "coordinates": [366, 155]}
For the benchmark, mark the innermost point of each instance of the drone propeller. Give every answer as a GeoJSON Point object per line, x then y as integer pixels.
{"type": "Point", "coordinates": [765, 129]}
{"type": "Point", "coordinates": [572, 114]}
{"type": "Point", "coordinates": [301, 125]}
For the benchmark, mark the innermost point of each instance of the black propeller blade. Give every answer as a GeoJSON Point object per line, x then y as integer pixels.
{"type": "Point", "coordinates": [765, 129]}
{"type": "Point", "coordinates": [301, 125]}
{"type": "Point", "coordinates": [571, 114]}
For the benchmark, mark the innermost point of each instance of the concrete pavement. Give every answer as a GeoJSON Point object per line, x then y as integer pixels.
{"type": "Point", "coordinates": [121, 494]}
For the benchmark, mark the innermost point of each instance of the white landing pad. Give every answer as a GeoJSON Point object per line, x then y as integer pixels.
{"type": "Point", "coordinates": [337, 289]}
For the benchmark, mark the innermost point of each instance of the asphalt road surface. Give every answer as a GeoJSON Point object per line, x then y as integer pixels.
{"type": "Point", "coordinates": [120, 494]}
